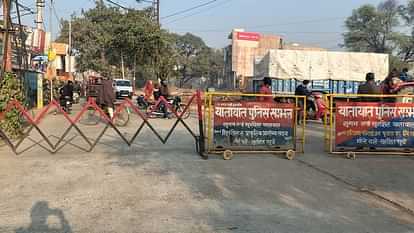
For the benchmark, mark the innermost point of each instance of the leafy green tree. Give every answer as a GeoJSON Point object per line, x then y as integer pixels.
{"type": "Point", "coordinates": [103, 34]}
{"type": "Point", "coordinates": [373, 29]}
{"type": "Point", "coordinates": [194, 57]}
{"type": "Point", "coordinates": [11, 89]}
{"type": "Point", "coordinates": [406, 42]}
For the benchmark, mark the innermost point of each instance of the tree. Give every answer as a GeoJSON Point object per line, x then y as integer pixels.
{"type": "Point", "coordinates": [193, 57]}
{"type": "Point", "coordinates": [373, 29]}
{"type": "Point", "coordinates": [216, 65]}
{"type": "Point", "coordinates": [11, 89]}
{"type": "Point", "coordinates": [102, 35]}
{"type": "Point", "coordinates": [406, 42]}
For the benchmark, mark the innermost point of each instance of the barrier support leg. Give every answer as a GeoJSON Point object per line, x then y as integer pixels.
{"type": "Point", "coordinates": [201, 140]}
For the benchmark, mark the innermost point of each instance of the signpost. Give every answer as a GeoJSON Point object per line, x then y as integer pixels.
{"type": "Point", "coordinates": [374, 125]}
{"type": "Point", "coordinates": [243, 125]}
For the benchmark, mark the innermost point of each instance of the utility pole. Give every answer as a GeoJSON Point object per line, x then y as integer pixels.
{"type": "Point", "coordinates": [40, 4]}
{"type": "Point", "coordinates": [122, 64]}
{"type": "Point", "coordinates": [23, 55]}
{"type": "Point", "coordinates": [70, 49]}
{"type": "Point", "coordinates": [50, 48]}
{"type": "Point", "coordinates": [135, 73]}
{"type": "Point", "coordinates": [6, 35]}
{"type": "Point", "coordinates": [156, 10]}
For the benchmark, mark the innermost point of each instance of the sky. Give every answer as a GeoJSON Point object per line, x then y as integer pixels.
{"type": "Point", "coordinates": [311, 22]}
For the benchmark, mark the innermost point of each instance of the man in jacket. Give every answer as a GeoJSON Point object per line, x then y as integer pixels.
{"type": "Point", "coordinates": [369, 88]}
{"type": "Point", "coordinates": [106, 96]}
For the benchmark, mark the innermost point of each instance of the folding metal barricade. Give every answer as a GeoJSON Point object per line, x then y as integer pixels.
{"type": "Point", "coordinates": [369, 124]}
{"type": "Point", "coordinates": [33, 124]}
{"type": "Point", "coordinates": [243, 123]}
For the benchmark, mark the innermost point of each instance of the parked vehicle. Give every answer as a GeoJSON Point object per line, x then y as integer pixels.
{"type": "Point", "coordinates": [123, 88]}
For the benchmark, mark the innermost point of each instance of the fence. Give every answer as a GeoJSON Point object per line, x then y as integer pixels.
{"type": "Point", "coordinates": [369, 124]}
{"type": "Point", "coordinates": [242, 123]}
{"type": "Point", "coordinates": [32, 123]}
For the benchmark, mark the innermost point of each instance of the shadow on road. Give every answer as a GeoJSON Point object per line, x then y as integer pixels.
{"type": "Point", "coordinates": [40, 214]}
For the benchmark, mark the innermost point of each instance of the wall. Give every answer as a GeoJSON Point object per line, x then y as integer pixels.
{"type": "Point", "coordinates": [246, 46]}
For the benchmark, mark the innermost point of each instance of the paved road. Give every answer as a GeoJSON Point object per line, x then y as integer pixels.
{"type": "Point", "coordinates": [152, 187]}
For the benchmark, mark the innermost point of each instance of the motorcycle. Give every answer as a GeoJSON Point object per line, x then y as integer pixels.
{"type": "Point", "coordinates": [66, 104]}
{"type": "Point", "coordinates": [162, 110]}
{"type": "Point", "coordinates": [318, 112]}
{"type": "Point", "coordinates": [321, 108]}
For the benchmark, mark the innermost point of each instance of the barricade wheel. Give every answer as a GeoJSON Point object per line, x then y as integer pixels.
{"type": "Point", "coordinates": [290, 154]}
{"type": "Point", "coordinates": [351, 155]}
{"type": "Point", "coordinates": [228, 155]}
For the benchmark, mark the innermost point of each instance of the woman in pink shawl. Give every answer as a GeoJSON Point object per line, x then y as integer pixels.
{"type": "Point", "coordinates": [148, 90]}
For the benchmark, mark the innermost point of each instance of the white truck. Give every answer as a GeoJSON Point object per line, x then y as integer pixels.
{"type": "Point", "coordinates": [123, 88]}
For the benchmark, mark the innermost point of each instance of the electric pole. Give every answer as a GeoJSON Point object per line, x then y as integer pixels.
{"type": "Point", "coordinates": [70, 49]}
{"type": "Point", "coordinates": [40, 5]}
{"type": "Point", "coordinates": [6, 35]}
{"type": "Point", "coordinates": [50, 49]}
{"type": "Point", "coordinates": [156, 10]}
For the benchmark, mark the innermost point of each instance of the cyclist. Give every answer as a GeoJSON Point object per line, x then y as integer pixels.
{"type": "Point", "coordinates": [106, 96]}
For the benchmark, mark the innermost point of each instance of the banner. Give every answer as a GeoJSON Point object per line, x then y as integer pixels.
{"type": "Point", "coordinates": [253, 124]}
{"type": "Point", "coordinates": [379, 125]}
{"type": "Point", "coordinates": [250, 36]}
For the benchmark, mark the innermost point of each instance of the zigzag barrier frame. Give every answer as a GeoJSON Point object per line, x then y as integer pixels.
{"type": "Point", "coordinates": [34, 122]}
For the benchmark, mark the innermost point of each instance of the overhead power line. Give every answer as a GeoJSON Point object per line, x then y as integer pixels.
{"type": "Point", "coordinates": [254, 27]}
{"type": "Point", "coordinates": [57, 17]}
{"type": "Point", "coordinates": [274, 31]}
{"type": "Point", "coordinates": [199, 12]}
{"type": "Point", "coordinates": [298, 22]}
{"type": "Point", "coordinates": [26, 8]}
{"type": "Point", "coordinates": [189, 9]}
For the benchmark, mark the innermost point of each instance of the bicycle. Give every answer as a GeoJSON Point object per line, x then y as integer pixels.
{"type": "Point", "coordinates": [92, 116]}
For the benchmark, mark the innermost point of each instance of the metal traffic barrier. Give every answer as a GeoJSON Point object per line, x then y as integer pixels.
{"type": "Point", "coordinates": [32, 123]}
{"type": "Point", "coordinates": [242, 123]}
{"type": "Point", "coordinates": [369, 124]}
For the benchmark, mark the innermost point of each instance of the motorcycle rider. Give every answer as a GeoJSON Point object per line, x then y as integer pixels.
{"type": "Point", "coordinates": [390, 83]}
{"type": "Point", "coordinates": [303, 90]}
{"type": "Point", "coordinates": [66, 94]}
{"type": "Point", "coordinates": [265, 89]}
{"type": "Point", "coordinates": [145, 99]}
{"type": "Point", "coordinates": [369, 88]}
{"type": "Point", "coordinates": [404, 76]}
{"type": "Point", "coordinates": [148, 90]}
{"type": "Point", "coordinates": [164, 92]}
